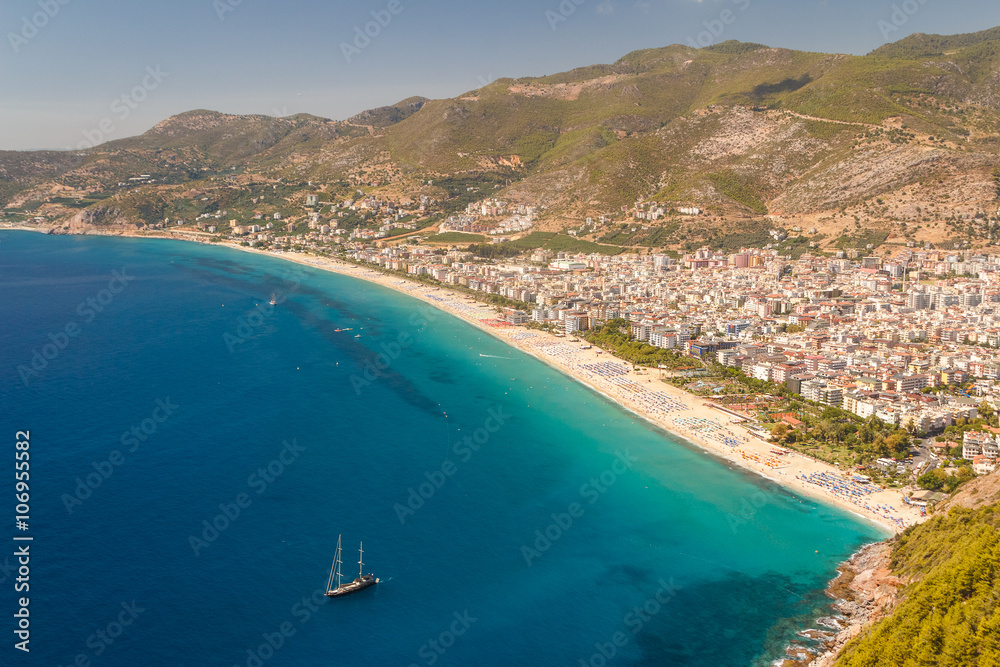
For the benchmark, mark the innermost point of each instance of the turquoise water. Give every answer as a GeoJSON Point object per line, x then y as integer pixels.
{"type": "Point", "coordinates": [647, 550]}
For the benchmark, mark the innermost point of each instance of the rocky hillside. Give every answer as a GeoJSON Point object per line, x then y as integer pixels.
{"type": "Point", "coordinates": [904, 140]}
{"type": "Point", "coordinates": [390, 115]}
{"type": "Point", "coordinates": [866, 592]}
{"type": "Point", "coordinates": [929, 596]}
{"type": "Point", "coordinates": [984, 492]}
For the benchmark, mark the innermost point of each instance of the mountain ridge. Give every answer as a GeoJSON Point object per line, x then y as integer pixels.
{"type": "Point", "coordinates": [904, 137]}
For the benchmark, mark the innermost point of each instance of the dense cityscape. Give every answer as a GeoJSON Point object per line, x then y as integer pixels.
{"type": "Point", "coordinates": [909, 337]}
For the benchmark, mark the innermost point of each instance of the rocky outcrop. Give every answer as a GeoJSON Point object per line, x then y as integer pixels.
{"type": "Point", "coordinates": [98, 220]}
{"type": "Point", "coordinates": [866, 592]}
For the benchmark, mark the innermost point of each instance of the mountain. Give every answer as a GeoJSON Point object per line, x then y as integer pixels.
{"type": "Point", "coordinates": [898, 145]}
{"type": "Point", "coordinates": [919, 45]}
{"type": "Point", "coordinates": [390, 115]}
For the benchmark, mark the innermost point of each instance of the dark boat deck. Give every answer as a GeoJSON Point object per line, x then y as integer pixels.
{"type": "Point", "coordinates": [357, 585]}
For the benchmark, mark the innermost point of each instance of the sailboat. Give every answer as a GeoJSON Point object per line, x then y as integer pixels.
{"type": "Point", "coordinates": [362, 582]}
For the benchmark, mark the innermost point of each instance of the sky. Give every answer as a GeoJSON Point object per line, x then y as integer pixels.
{"type": "Point", "coordinates": [75, 73]}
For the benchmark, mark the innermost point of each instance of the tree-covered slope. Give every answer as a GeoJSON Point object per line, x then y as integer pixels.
{"type": "Point", "coordinates": [950, 613]}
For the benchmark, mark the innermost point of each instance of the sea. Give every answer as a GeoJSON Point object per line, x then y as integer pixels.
{"type": "Point", "coordinates": [195, 454]}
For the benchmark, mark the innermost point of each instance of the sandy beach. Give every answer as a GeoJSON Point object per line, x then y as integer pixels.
{"type": "Point", "coordinates": [670, 408]}
{"type": "Point", "coordinates": [679, 412]}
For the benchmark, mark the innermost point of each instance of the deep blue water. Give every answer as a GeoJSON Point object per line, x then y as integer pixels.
{"type": "Point", "coordinates": [738, 564]}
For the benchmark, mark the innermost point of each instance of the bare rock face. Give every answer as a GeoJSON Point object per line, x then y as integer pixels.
{"type": "Point", "coordinates": [866, 591]}
{"type": "Point", "coordinates": [100, 220]}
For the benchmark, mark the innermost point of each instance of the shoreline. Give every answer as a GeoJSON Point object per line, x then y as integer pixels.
{"type": "Point", "coordinates": [696, 422]}
{"type": "Point", "coordinates": [675, 411]}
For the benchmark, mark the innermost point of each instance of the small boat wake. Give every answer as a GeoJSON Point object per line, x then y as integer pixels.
{"type": "Point", "coordinates": [492, 356]}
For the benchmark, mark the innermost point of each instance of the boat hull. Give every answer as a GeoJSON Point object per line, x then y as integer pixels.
{"type": "Point", "coordinates": [358, 584]}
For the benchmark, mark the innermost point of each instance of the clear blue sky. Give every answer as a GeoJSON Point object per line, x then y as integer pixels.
{"type": "Point", "coordinates": [60, 75]}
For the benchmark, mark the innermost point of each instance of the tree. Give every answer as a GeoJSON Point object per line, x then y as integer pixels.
{"type": "Point", "coordinates": [949, 616]}
{"type": "Point", "coordinates": [879, 448]}
{"type": "Point", "coordinates": [988, 639]}
{"type": "Point", "coordinates": [780, 432]}
{"type": "Point", "coordinates": [929, 642]}
{"type": "Point", "coordinates": [952, 482]}
{"type": "Point", "coordinates": [829, 430]}
{"type": "Point", "coordinates": [898, 444]}
{"type": "Point", "coordinates": [932, 480]}
{"type": "Point", "coordinates": [987, 412]}
{"type": "Point", "coordinates": [960, 642]}
{"type": "Point", "coordinates": [832, 413]}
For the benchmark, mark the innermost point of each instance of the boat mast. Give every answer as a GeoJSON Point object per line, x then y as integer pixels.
{"type": "Point", "coordinates": [334, 567]}
{"type": "Point", "coordinates": [339, 562]}
{"type": "Point", "coordinates": [361, 558]}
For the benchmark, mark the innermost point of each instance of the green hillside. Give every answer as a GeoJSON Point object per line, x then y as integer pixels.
{"type": "Point", "coordinates": [950, 615]}
{"type": "Point", "coordinates": [920, 45]}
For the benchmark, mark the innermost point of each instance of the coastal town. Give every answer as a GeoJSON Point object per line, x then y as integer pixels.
{"type": "Point", "coordinates": [668, 332]}
{"type": "Point", "coordinates": [828, 333]}
{"type": "Point", "coordinates": [878, 370]}
{"type": "Point", "coordinates": [906, 341]}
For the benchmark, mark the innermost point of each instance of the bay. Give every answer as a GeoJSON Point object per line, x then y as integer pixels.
{"type": "Point", "coordinates": [512, 515]}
